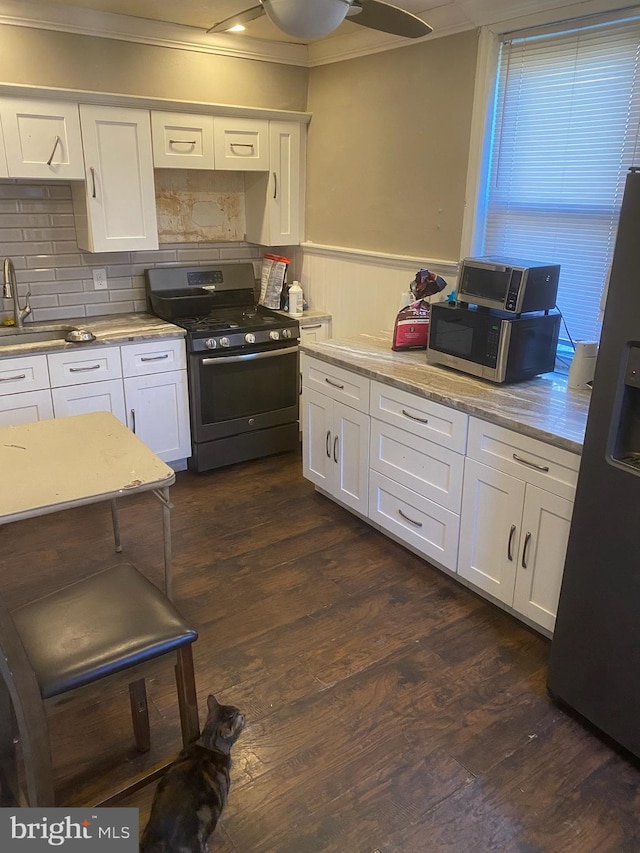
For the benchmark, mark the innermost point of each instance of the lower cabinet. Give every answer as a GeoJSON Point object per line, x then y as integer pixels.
{"type": "Point", "coordinates": [25, 408]}
{"type": "Point", "coordinates": [24, 390]}
{"type": "Point", "coordinates": [107, 396]}
{"type": "Point", "coordinates": [336, 449]}
{"type": "Point", "coordinates": [158, 412]}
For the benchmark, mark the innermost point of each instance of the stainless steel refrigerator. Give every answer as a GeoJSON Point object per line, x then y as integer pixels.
{"type": "Point", "coordinates": [595, 652]}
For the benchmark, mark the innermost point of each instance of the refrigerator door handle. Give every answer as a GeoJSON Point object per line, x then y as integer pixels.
{"type": "Point", "coordinates": [510, 543]}
{"type": "Point", "coordinates": [525, 547]}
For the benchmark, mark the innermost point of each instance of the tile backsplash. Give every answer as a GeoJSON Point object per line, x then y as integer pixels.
{"type": "Point", "coordinates": [37, 231]}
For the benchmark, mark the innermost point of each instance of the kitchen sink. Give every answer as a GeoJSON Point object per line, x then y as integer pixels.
{"type": "Point", "coordinates": [11, 336]}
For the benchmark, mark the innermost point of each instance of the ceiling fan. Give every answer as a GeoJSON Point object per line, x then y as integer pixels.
{"type": "Point", "coordinates": [311, 19]}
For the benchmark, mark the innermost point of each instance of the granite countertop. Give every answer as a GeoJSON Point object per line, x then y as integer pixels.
{"type": "Point", "coordinates": [543, 408]}
{"type": "Point", "coordinates": [108, 329]}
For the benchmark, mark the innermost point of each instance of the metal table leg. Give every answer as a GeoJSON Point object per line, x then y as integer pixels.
{"type": "Point", "coordinates": [116, 525]}
{"type": "Point", "coordinates": [163, 497]}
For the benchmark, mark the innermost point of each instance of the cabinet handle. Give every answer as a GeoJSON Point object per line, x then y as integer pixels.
{"type": "Point", "coordinates": [154, 357]}
{"type": "Point", "coordinates": [334, 384]}
{"type": "Point", "coordinates": [55, 145]}
{"type": "Point", "coordinates": [84, 369]}
{"type": "Point", "coordinates": [183, 141]}
{"type": "Point", "coordinates": [335, 449]}
{"type": "Point", "coordinates": [275, 185]}
{"type": "Point", "coordinates": [415, 418]}
{"type": "Point", "coordinates": [313, 326]}
{"type": "Point", "coordinates": [133, 420]}
{"type": "Point", "coordinates": [11, 378]}
{"type": "Point", "coordinates": [93, 181]}
{"type": "Point", "coordinates": [410, 520]}
{"type": "Point", "coordinates": [543, 468]}
{"type": "Point", "coordinates": [327, 444]}
{"type": "Point", "coordinates": [510, 544]}
{"type": "Point", "coordinates": [525, 548]}
{"type": "Point", "coordinates": [242, 145]}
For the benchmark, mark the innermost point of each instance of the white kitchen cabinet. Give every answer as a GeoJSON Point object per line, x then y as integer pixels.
{"type": "Point", "coordinates": [241, 144]}
{"type": "Point", "coordinates": [156, 395]}
{"type": "Point", "coordinates": [85, 381]}
{"type": "Point", "coordinates": [115, 209]}
{"type": "Point", "coordinates": [182, 140]}
{"type": "Point", "coordinates": [312, 330]}
{"type": "Point", "coordinates": [515, 531]}
{"type": "Point", "coordinates": [274, 201]}
{"type": "Point", "coordinates": [24, 390]}
{"type": "Point", "coordinates": [25, 408]}
{"type": "Point", "coordinates": [42, 139]}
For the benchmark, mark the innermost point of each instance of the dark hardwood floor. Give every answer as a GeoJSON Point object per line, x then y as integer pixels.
{"type": "Point", "coordinates": [388, 708]}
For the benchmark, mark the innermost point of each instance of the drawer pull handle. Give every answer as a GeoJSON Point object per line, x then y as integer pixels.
{"type": "Point", "coordinates": [154, 357]}
{"type": "Point", "coordinates": [93, 182]}
{"type": "Point", "coordinates": [11, 378]}
{"type": "Point", "coordinates": [182, 142]}
{"type": "Point", "coordinates": [410, 520]}
{"type": "Point", "coordinates": [543, 468]}
{"type": "Point", "coordinates": [55, 145]}
{"type": "Point", "coordinates": [275, 185]}
{"type": "Point", "coordinates": [313, 326]}
{"type": "Point", "coordinates": [335, 449]}
{"type": "Point", "coordinates": [415, 417]}
{"type": "Point", "coordinates": [334, 384]}
{"type": "Point", "coordinates": [327, 444]}
{"type": "Point", "coordinates": [527, 540]}
{"type": "Point", "coordinates": [133, 420]}
{"type": "Point", "coordinates": [510, 543]}
{"type": "Point", "coordinates": [84, 369]}
{"type": "Point", "coordinates": [242, 145]}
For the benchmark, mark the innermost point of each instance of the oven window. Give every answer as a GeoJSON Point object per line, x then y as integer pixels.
{"type": "Point", "coordinates": [453, 338]}
{"type": "Point", "coordinates": [486, 284]}
{"type": "Point", "coordinates": [239, 389]}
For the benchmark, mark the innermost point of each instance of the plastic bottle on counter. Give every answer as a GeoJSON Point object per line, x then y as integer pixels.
{"type": "Point", "coordinates": [295, 300]}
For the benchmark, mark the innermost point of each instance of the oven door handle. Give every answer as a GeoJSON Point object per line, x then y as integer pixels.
{"type": "Point", "coordinates": [226, 359]}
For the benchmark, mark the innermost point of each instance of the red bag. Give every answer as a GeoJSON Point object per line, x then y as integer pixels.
{"type": "Point", "coordinates": [411, 328]}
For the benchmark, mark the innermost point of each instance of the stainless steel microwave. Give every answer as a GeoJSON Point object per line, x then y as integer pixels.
{"type": "Point", "coordinates": [490, 344]}
{"type": "Point", "coordinates": [508, 284]}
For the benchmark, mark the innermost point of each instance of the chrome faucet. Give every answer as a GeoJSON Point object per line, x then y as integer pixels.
{"type": "Point", "coordinates": [10, 291]}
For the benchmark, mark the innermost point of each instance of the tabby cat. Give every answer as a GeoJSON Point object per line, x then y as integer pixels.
{"type": "Point", "coordinates": [191, 795]}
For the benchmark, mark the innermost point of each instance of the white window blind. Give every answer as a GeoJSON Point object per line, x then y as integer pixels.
{"type": "Point", "coordinates": [565, 132]}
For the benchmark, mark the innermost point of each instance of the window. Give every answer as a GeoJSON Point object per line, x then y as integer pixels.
{"type": "Point", "coordinates": [565, 132]}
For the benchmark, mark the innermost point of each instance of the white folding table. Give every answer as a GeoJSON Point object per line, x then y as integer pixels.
{"type": "Point", "coordinates": [51, 465]}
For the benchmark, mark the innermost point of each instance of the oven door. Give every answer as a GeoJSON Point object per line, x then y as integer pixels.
{"type": "Point", "coordinates": [241, 392]}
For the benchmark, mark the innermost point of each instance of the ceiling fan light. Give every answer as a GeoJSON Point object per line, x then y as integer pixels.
{"type": "Point", "coordinates": [306, 19]}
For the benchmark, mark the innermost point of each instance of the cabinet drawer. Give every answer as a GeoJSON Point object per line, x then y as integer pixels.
{"type": "Point", "coordinates": [182, 140]}
{"type": "Point", "coordinates": [241, 144]}
{"type": "Point", "coordinates": [425, 418]}
{"type": "Point", "coordinates": [526, 458]}
{"type": "Point", "coordinates": [349, 388]}
{"type": "Point", "coordinates": [153, 357]}
{"type": "Point", "coordinates": [73, 368]}
{"type": "Point", "coordinates": [314, 330]}
{"type": "Point", "coordinates": [432, 471]}
{"type": "Point", "coordinates": [427, 527]}
{"type": "Point", "coordinates": [26, 373]}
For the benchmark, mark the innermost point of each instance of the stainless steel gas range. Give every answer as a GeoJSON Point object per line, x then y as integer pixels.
{"type": "Point", "coordinates": [243, 362]}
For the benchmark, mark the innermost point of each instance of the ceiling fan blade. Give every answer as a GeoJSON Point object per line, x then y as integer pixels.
{"type": "Point", "coordinates": [241, 18]}
{"type": "Point", "coordinates": [388, 19]}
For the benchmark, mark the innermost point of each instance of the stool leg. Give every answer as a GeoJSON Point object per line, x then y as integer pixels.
{"type": "Point", "coordinates": [140, 715]}
{"type": "Point", "coordinates": [187, 698]}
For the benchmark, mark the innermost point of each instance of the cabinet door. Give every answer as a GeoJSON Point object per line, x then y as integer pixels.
{"type": "Point", "coordinates": [317, 425]}
{"type": "Point", "coordinates": [81, 399]}
{"type": "Point", "coordinates": [241, 144]}
{"type": "Point", "coordinates": [182, 141]}
{"type": "Point", "coordinates": [25, 408]}
{"type": "Point", "coordinates": [274, 201]}
{"type": "Point", "coordinates": [116, 207]}
{"type": "Point", "coordinates": [545, 532]}
{"type": "Point", "coordinates": [492, 504]}
{"type": "Point", "coordinates": [350, 454]}
{"type": "Point", "coordinates": [158, 413]}
{"type": "Point", "coordinates": [42, 139]}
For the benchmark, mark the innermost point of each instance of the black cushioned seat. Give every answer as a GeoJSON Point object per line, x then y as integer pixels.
{"type": "Point", "coordinates": [102, 624]}
{"type": "Point", "coordinates": [107, 623]}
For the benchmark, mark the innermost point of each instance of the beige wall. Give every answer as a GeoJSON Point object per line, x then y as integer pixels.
{"type": "Point", "coordinates": [388, 149]}
{"type": "Point", "coordinates": [64, 60]}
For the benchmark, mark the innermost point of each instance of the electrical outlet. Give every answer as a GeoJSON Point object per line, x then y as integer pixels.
{"type": "Point", "coordinates": [100, 279]}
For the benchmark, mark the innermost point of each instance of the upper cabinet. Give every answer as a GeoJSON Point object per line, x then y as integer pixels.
{"type": "Point", "coordinates": [241, 144]}
{"type": "Point", "coordinates": [274, 201]}
{"type": "Point", "coordinates": [42, 139]}
{"type": "Point", "coordinates": [115, 208]}
{"type": "Point", "coordinates": [182, 140]}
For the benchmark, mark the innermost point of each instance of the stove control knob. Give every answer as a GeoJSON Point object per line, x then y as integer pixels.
{"type": "Point", "coordinates": [286, 333]}
{"type": "Point", "coordinates": [225, 342]}
{"type": "Point", "coordinates": [210, 343]}
{"type": "Point", "coordinates": [275, 335]}
{"type": "Point", "coordinates": [250, 338]}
